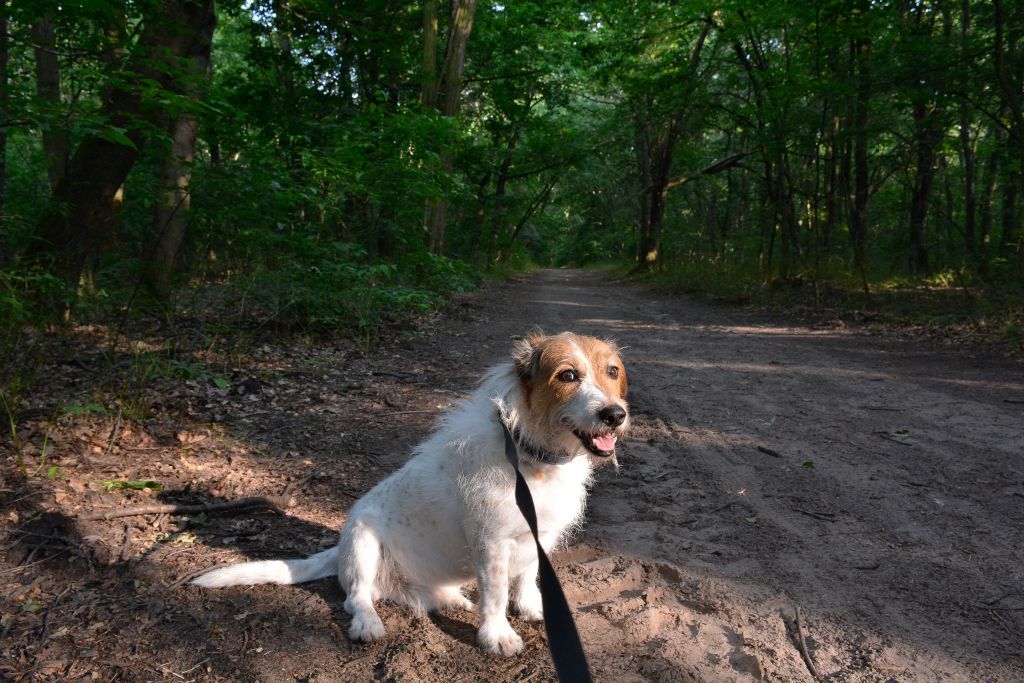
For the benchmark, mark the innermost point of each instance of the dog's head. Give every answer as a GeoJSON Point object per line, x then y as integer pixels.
{"type": "Point", "coordinates": [575, 393]}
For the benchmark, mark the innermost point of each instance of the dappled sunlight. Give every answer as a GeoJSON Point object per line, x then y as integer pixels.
{"type": "Point", "coordinates": [760, 473]}
{"type": "Point", "coordinates": [789, 369]}
{"type": "Point", "coordinates": [980, 384]}
{"type": "Point", "coordinates": [683, 609]}
{"type": "Point", "coordinates": [732, 525]}
{"type": "Point", "coordinates": [572, 304]}
{"type": "Point", "coordinates": [631, 324]}
{"type": "Point", "coordinates": [703, 329]}
{"type": "Point", "coordinates": [767, 331]}
{"type": "Point", "coordinates": [785, 369]}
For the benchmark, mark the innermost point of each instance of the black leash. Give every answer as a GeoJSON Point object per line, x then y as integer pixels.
{"type": "Point", "coordinates": [563, 638]}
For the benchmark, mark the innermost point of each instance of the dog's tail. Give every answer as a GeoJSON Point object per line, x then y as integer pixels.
{"type": "Point", "coordinates": [272, 571]}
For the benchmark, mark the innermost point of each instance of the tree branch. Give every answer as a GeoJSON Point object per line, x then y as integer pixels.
{"type": "Point", "coordinates": [717, 167]}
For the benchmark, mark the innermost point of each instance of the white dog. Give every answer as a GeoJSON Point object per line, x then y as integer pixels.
{"type": "Point", "coordinates": [449, 514]}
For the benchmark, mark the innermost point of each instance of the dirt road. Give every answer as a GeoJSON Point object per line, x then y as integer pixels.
{"type": "Point", "coordinates": [877, 484]}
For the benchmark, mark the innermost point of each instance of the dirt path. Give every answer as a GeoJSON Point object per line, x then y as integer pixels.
{"type": "Point", "coordinates": [875, 483]}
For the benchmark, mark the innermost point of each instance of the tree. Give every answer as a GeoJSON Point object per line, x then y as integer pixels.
{"type": "Point", "coordinates": [171, 214]}
{"type": "Point", "coordinates": [82, 212]}
{"type": "Point", "coordinates": [55, 140]}
{"type": "Point", "coordinates": [444, 92]}
{"type": "Point", "coordinates": [5, 99]}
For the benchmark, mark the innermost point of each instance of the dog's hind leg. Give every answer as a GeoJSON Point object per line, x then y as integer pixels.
{"type": "Point", "coordinates": [443, 597]}
{"type": "Point", "coordinates": [358, 566]}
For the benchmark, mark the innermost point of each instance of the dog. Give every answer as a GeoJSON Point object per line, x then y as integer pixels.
{"type": "Point", "coordinates": [449, 515]}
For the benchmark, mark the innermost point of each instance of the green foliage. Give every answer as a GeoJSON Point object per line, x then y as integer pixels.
{"type": "Point", "coordinates": [129, 485]}
{"type": "Point", "coordinates": [319, 286]}
{"type": "Point", "coordinates": [317, 168]}
{"type": "Point", "coordinates": [87, 409]}
{"type": "Point", "coordinates": [20, 291]}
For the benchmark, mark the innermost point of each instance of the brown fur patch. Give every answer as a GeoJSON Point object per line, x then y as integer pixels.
{"type": "Point", "coordinates": [603, 356]}
{"type": "Point", "coordinates": [541, 359]}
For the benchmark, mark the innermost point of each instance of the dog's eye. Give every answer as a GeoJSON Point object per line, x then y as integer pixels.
{"type": "Point", "coordinates": [568, 376]}
{"type": "Point", "coordinates": [613, 372]}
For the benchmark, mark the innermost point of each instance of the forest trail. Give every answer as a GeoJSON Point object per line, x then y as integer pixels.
{"type": "Point", "coordinates": [874, 482]}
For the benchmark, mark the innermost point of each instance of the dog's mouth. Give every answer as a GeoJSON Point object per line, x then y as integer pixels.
{"type": "Point", "coordinates": [601, 445]}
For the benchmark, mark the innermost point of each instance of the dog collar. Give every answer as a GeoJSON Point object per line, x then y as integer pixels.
{"type": "Point", "coordinates": [525, 448]}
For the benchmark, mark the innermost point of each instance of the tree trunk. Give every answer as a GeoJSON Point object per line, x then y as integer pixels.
{"type": "Point", "coordinates": [788, 222]}
{"type": "Point", "coordinates": [428, 68]}
{"type": "Point", "coordinates": [1009, 65]}
{"type": "Point", "coordinates": [459, 28]}
{"type": "Point", "coordinates": [498, 213]}
{"type": "Point", "coordinates": [643, 158]}
{"type": "Point", "coordinates": [81, 214]}
{"type": "Point", "coordinates": [1008, 242]}
{"type": "Point", "coordinates": [172, 207]}
{"type": "Point", "coordinates": [989, 185]}
{"type": "Point", "coordinates": [539, 201]}
{"type": "Point", "coordinates": [967, 161]}
{"type": "Point", "coordinates": [861, 179]}
{"type": "Point", "coordinates": [5, 57]}
{"type": "Point", "coordinates": [927, 134]}
{"type": "Point", "coordinates": [55, 139]}
{"type": "Point", "coordinates": [455, 55]}
{"type": "Point", "coordinates": [656, 192]}
{"type": "Point", "coordinates": [831, 184]}
{"type": "Point", "coordinates": [655, 177]}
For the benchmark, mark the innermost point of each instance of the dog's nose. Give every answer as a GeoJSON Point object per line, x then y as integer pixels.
{"type": "Point", "coordinates": [612, 415]}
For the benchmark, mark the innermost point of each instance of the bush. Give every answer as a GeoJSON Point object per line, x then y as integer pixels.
{"type": "Point", "coordinates": [321, 286]}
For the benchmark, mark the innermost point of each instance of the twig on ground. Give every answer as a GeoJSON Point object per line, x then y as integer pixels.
{"type": "Point", "coordinates": [769, 451]}
{"type": "Point", "coordinates": [824, 516]}
{"type": "Point", "coordinates": [196, 666]}
{"type": "Point", "coordinates": [276, 502]}
{"type": "Point", "coordinates": [115, 433]}
{"type": "Point", "coordinates": [46, 619]}
{"type": "Point", "coordinates": [26, 566]}
{"type": "Point", "coordinates": [802, 645]}
{"type": "Point", "coordinates": [889, 437]}
{"type": "Point", "coordinates": [27, 495]}
{"type": "Point", "coordinates": [1002, 597]}
{"type": "Point", "coordinates": [722, 507]}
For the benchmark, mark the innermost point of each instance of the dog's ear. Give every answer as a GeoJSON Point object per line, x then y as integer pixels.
{"type": "Point", "coordinates": [527, 354]}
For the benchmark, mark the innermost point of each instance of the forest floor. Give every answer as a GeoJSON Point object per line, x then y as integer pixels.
{"type": "Point", "coordinates": [873, 481]}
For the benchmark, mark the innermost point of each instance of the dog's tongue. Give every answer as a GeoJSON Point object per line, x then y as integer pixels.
{"type": "Point", "coordinates": [605, 442]}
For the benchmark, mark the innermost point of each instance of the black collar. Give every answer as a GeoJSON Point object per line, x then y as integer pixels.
{"type": "Point", "coordinates": [528, 449]}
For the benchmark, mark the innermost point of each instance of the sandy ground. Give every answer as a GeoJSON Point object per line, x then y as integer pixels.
{"type": "Point", "coordinates": [872, 482]}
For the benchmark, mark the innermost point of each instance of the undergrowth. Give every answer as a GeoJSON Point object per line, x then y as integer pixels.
{"type": "Point", "coordinates": [950, 301]}
{"type": "Point", "coordinates": [132, 343]}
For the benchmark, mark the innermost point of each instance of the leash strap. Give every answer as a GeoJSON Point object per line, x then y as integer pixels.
{"type": "Point", "coordinates": [563, 638]}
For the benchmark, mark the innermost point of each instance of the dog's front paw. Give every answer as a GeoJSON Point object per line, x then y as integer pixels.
{"type": "Point", "coordinates": [500, 639]}
{"type": "Point", "coordinates": [366, 627]}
